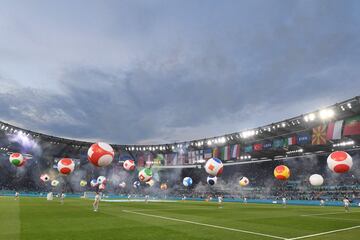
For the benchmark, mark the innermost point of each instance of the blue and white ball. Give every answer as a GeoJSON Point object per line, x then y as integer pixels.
{"type": "Point", "coordinates": [211, 180]}
{"type": "Point", "coordinates": [214, 167]}
{"type": "Point", "coordinates": [136, 184]}
{"type": "Point", "coordinates": [94, 183]}
{"type": "Point", "coordinates": [187, 181]}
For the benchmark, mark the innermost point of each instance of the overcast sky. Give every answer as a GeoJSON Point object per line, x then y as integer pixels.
{"type": "Point", "coordinates": [164, 71]}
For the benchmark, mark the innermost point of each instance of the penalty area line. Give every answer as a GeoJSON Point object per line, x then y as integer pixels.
{"type": "Point", "coordinates": [324, 233]}
{"type": "Point", "coordinates": [205, 225]}
{"type": "Point", "coordinates": [331, 213]}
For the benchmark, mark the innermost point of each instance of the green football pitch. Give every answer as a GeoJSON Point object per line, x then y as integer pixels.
{"type": "Point", "coordinates": [35, 218]}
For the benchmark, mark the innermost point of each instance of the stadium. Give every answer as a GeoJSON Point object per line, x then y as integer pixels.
{"type": "Point", "coordinates": [302, 143]}
{"type": "Point", "coordinates": [262, 95]}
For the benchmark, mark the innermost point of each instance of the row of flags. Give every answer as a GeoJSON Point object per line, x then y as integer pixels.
{"type": "Point", "coordinates": [319, 135]}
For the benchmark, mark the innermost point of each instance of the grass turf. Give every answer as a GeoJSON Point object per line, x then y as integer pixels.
{"type": "Point", "coordinates": [35, 218]}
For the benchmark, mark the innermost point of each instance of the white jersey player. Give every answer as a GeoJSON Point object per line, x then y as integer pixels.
{"type": "Point", "coordinates": [220, 201]}
{"type": "Point", "coordinates": [245, 200]}
{"type": "Point", "coordinates": [284, 202]}
{"type": "Point", "coordinates": [62, 197]}
{"type": "Point", "coordinates": [322, 202]}
{"type": "Point", "coordinates": [16, 196]}
{"type": "Point", "coordinates": [96, 202]}
{"type": "Point", "coordinates": [346, 204]}
{"type": "Point", "coordinates": [146, 198]}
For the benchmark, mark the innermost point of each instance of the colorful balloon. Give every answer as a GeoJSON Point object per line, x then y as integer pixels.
{"type": "Point", "coordinates": [101, 154]}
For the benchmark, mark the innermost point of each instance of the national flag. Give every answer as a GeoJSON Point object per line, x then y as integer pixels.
{"type": "Point", "coordinates": [207, 153]}
{"type": "Point", "coordinates": [352, 126]}
{"type": "Point", "coordinates": [290, 141]}
{"type": "Point", "coordinates": [278, 143]}
{"type": "Point", "coordinates": [334, 130]}
{"type": "Point", "coordinates": [216, 152]}
{"type": "Point", "coordinates": [198, 155]}
{"type": "Point", "coordinates": [140, 159]}
{"type": "Point", "coordinates": [225, 153]}
{"type": "Point", "coordinates": [235, 151]}
{"type": "Point", "coordinates": [303, 138]}
{"type": "Point", "coordinates": [267, 145]}
{"type": "Point", "coordinates": [170, 158]}
{"type": "Point", "coordinates": [319, 135]}
{"type": "Point", "coordinates": [248, 149]}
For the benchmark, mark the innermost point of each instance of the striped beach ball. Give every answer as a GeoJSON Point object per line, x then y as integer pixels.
{"type": "Point", "coordinates": [101, 154]}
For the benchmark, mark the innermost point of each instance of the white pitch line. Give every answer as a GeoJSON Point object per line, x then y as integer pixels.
{"type": "Point", "coordinates": [332, 213]}
{"type": "Point", "coordinates": [334, 218]}
{"type": "Point", "coordinates": [324, 233]}
{"type": "Point", "coordinates": [206, 225]}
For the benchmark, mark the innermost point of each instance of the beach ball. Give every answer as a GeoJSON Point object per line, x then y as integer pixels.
{"type": "Point", "coordinates": [101, 154]}
{"type": "Point", "coordinates": [211, 180]}
{"type": "Point", "coordinates": [101, 180]}
{"type": "Point", "coordinates": [102, 186]}
{"type": "Point", "coordinates": [17, 159]}
{"type": "Point", "coordinates": [282, 172]}
{"type": "Point", "coordinates": [136, 184]}
{"type": "Point", "coordinates": [163, 186]}
{"type": "Point", "coordinates": [54, 183]}
{"type": "Point", "coordinates": [339, 162]}
{"type": "Point", "coordinates": [66, 166]}
{"type": "Point", "coordinates": [129, 165]}
{"type": "Point", "coordinates": [44, 178]}
{"type": "Point", "coordinates": [187, 181]}
{"type": "Point", "coordinates": [244, 181]}
{"type": "Point", "coordinates": [150, 183]}
{"type": "Point", "coordinates": [122, 185]}
{"type": "Point", "coordinates": [214, 167]}
{"type": "Point", "coordinates": [83, 183]}
{"type": "Point", "coordinates": [145, 175]}
{"type": "Point", "coordinates": [93, 183]}
{"type": "Point", "coordinates": [316, 180]}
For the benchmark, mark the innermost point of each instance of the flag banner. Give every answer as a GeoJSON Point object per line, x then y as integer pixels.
{"type": "Point", "coordinates": [216, 152]}
{"type": "Point", "coordinates": [290, 141]}
{"type": "Point", "coordinates": [352, 126]}
{"type": "Point", "coordinates": [235, 151]}
{"type": "Point", "coordinates": [248, 149]}
{"type": "Point", "coordinates": [225, 153]}
{"type": "Point", "coordinates": [334, 130]}
{"type": "Point", "coordinates": [258, 147]}
{"type": "Point", "coordinates": [278, 143]}
{"type": "Point", "coordinates": [198, 155]}
{"type": "Point", "coordinates": [140, 159]}
{"type": "Point", "coordinates": [159, 160]}
{"type": "Point", "coordinates": [182, 157]}
{"type": "Point", "coordinates": [319, 135]}
{"type": "Point", "coordinates": [192, 157]}
{"type": "Point", "coordinates": [267, 145]}
{"type": "Point", "coordinates": [303, 138]}
{"type": "Point", "coordinates": [170, 159]}
{"type": "Point", "coordinates": [207, 153]}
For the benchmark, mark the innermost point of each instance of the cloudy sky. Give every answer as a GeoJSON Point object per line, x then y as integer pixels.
{"type": "Point", "coordinates": [164, 71]}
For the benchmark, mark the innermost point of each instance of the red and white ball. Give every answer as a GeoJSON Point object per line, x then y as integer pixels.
{"type": "Point", "coordinates": [129, 165]}
{"type": "Point", "coordinates": [102, 187]}
{"type": "Point", "coordinates": [101, 180]}
{"type": "Point", "coordinates": [214, 167]}
{"type": "Point", "coordinates": [66, 166]}
{"type": "Point", "coordinates": [101, 154]}
{"type": "Point", "coordinates": [339, 162]}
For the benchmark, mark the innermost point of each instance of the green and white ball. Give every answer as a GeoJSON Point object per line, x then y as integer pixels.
{"type": "Point", "coordinates": [17, 159]}
{"type": "Point", "coordinates": [145, 175]}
